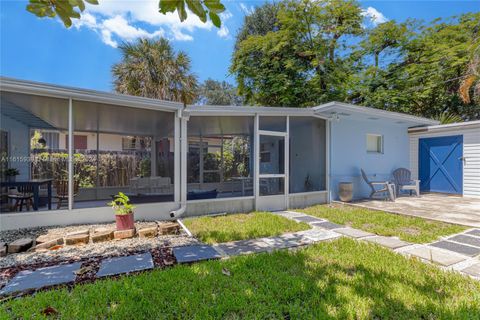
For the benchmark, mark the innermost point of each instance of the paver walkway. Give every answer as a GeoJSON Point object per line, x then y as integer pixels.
{"type": "Point", "coordinates": [440, 207]}
{"type": "Point", "coordinates": [459, 252]}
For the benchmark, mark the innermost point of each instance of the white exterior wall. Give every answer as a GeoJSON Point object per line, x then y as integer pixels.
{"type": "Point", "coordinates": [471, 152]}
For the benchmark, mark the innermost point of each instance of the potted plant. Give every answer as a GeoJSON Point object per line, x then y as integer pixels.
{"type": "Point", "coordinates": [11, 174]}
{"type": "Point", "coordinates": [123, 211]}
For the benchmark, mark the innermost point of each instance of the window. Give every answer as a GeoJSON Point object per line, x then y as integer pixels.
{"type": "Point", "coordinates": [374, 143]}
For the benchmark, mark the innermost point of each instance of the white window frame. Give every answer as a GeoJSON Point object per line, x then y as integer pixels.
{"type": "Point", "coordinates": [381, 151]}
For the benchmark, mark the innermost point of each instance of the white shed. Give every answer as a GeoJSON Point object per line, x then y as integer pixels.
{"type": "Point", "coordinates": [446, 158]}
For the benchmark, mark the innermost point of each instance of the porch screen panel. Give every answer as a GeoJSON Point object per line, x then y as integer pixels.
{"type": "Point", "coordinates": [31, 126]}
{"type": "Point", "coordinates": [220, 155]}
{"type": "Point", "coordinates": [307, 154]}
{"type": "Point", "coordinates": [128, 150]}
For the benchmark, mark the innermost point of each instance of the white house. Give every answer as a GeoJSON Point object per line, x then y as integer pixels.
{"type": "Point", "coordinates": [191, 160]}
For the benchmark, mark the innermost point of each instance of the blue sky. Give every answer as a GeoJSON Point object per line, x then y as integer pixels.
{"type": "Point", "coordinates": [44, 50]}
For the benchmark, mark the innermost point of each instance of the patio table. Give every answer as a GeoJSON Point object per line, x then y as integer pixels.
{"type": "Point", "coordinates": [35, 184]}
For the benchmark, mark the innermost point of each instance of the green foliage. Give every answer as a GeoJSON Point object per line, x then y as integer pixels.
{"type": "Point", "coordinates": [11, 172]}
{"type": "Point", "coordinates": [201, 8]}
{"type": "Point", "coordinates": [421, 71]}
{"type": "Point", "coordinates": [303, 53]}
{"type": "Point", "coordinates": [121, 204]}
{"type": "Point", "coordinates": [212, 92]}
{"type": "Point", "coordinates": [67, 10]}
{"type": "Point", "coordinates": [152, 69]}
{"type": "Point", "coordinates": [35, 141]}
{"type": "Point", "coordinates": [446, 118]}
{"type": "Point", "coordinates": [297, 63]}
{"type": "Point", "coordinates": [412, 229]}
{"type": "Point", "coordinates": [339, 279]}
{"type": "Point", "coordinates": [241, 226]}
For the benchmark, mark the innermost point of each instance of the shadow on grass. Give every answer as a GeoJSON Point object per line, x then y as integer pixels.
{"type": "Point", "coordinates": [339, 279]}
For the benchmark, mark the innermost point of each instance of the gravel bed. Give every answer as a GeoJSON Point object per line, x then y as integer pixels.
{"type": "Point", "coordinates": [108, 248]}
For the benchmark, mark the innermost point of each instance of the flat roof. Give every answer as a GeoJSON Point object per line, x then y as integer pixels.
{"type": "Point", "coordinates": [324, 111]}
{"type": "Point", "coordinates": [344, 110]}
{"type": "Point", "coordinates": [63, 92]}
{"type": "Point", "coordinates": [450, 126]}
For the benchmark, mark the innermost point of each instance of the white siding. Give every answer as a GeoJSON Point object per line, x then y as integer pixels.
{"type": "Point", "coordinates": [471, 151]}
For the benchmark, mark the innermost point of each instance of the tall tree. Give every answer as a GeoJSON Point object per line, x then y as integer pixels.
{"type": "Point", "coordinates": [151, 68]}
{"type": "Point", "coordinates": [425, 73]}
{"type": "Point", "coordinates": [298, 62]}
{"type": "Point", "coordinates": [212, 92]}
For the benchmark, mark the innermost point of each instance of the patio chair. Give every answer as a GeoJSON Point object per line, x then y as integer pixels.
{"type": "Point", "coordinates": [24, 196]}
{"type": "Point", "coordinates": [403, 181]}
{"type": "Point", "coordinates": [61, 188]}
{"type": "Point", "coordinates": [379, 187]}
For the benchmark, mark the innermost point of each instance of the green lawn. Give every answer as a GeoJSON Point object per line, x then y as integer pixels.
{"type": "Point", "coordinates": [342, 279]}
{"type": "Point", "coordinates": [241, 226]}
{"type": "Point", "coordinates": [411, 229]}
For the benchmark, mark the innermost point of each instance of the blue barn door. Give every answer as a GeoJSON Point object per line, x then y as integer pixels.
{"type": "Point", "coordinates": [441, 164]}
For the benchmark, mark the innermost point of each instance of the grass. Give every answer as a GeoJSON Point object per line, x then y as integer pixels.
{"type": "Point", "coordinates": [407, 228]}
{"type": "Point", "coordinates": [241, 226]}
{"type": "Point", "coordinates": [342, 279]}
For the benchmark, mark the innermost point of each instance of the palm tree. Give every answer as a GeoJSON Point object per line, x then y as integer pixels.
{"type": "Point", "coordinates": [152, 69]}
{"type": "Point", "coordinates": [471, 79]}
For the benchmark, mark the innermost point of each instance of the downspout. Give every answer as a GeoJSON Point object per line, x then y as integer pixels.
{"type": "Point", "coordinates": [183, 166]}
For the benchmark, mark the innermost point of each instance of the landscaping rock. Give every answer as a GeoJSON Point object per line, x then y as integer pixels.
{"type": "Point", "coordinates": [77, 239]}
{"type": "Point", "coordinates": [149, 232]}
{"type": "Point", "coordinates": [124, 234]}
{"type": "Point", "coordinates": [49, 244]}
{"type": "Point", "coordinates": [20, 245]}
{"type": "Point", "coordinates": [102, 236]}
{"type": "Point", "coordinates": [46, 238]}
{"type": "Point", "coordinates": [3, 249]}
{"type": "Point", "coordinates": [169, 228]}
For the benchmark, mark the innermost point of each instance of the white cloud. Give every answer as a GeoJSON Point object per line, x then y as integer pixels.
{"type": "Point", "coordinates": [224, 32]}
{"type": "Point", "coordinates": [127, 20]}
{"type": "Point", "coordinates": [246, 9]}
{"type": "Point", "coordinates": [374, 15]}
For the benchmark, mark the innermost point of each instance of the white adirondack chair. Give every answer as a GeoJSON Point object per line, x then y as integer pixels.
{"type": "Point", "coordinates": [403, 181]}
{"type": "Point", "coordinates": [379, 187]}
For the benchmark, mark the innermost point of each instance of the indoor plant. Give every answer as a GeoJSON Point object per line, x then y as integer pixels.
{"type": "Point", "coordinates": [11, 173]}
{"type": "Point", "coordinates": [123, 211]}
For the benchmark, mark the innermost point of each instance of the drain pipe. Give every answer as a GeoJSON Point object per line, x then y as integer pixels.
{"type": "Point", "coordinates": [183, 166]}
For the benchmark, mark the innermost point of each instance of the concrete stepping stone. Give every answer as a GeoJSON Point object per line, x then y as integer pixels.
{"type": "Point", "coordinates": [307, 219]}
{"type": "Point", "coordinates": [244, 247]}
{"type": "Point", "coordinates": [458, 248]}
{"type": "Point", "coordinates": [389, 242]}
{"type": "Point", "coordinates": [354, 233]}
{"type": "Point", "coordinates": [289, 214]}
{"type": "Point", "coordinates": [473, 241]}
{"type": "Point", "coordinates": [435, 255]}
{"type": "Point", "coordinates": [473, 270]}
{"type": "Point", "coordinates": [316, 235]}
{"type": "Point", "coordinates": [42, 277]}
{"type": "Point", "coordinates": [119, 265]}
{"type": "Point", "coordinates": [195, 253]}
{"type": "Point", "coordinates": [284, 241]}
{"type": "Point", "coordinates": [474, 232]}
{"type": "Point", "coordinates": [327, 225]}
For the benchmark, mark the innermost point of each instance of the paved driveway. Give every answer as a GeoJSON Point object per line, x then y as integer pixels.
{"type": "Point", "coordinates": [454, 209]}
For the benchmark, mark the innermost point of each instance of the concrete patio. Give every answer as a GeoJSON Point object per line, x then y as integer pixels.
{"type": "Point", "coordinates": [441, 207]}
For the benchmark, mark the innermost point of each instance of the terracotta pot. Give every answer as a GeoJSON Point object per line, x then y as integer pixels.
{"type": "Point", "coordinates": [345, 191]}
{"type": "Point", "coordinates": [125, 221]}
